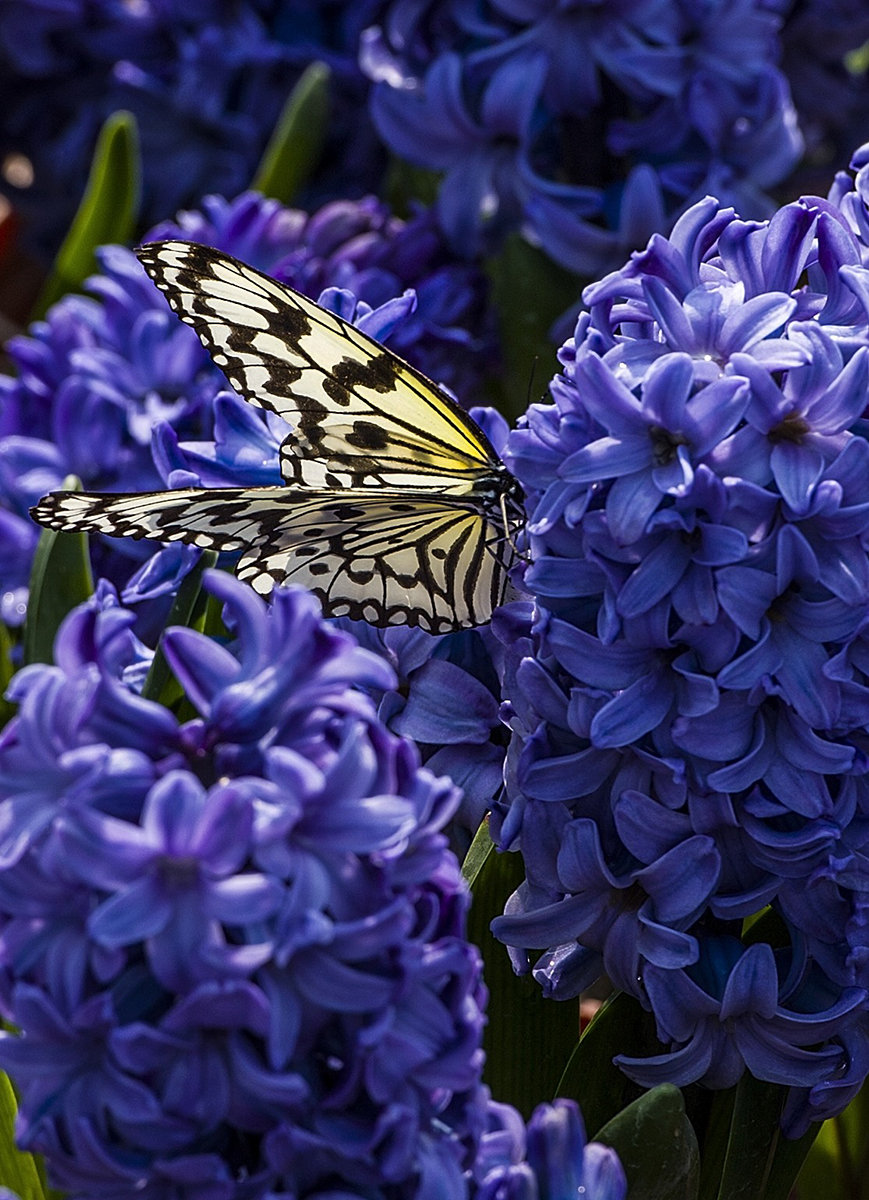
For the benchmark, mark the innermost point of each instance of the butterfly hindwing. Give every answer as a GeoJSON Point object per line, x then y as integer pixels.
{"type": "Point", "coordinates": [361, 416]}
{"type": "Point", "coordinates": [385, 560]}
{"type": "Point", "coordinates": [378, 556]}
{"type": "Point", "coordinates": [213, 519]}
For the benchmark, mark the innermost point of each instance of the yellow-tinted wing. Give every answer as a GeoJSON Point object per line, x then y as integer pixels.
{"type": "Point", "coordinates": [361, 416]}
{"type": "Point", "coordinates": [381, 556]}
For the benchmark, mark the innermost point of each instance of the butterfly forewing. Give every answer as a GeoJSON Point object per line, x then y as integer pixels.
{"type": "Point", "coordinates": [376, 557]}
{"type": "Point", "coordinates": [361, 416]}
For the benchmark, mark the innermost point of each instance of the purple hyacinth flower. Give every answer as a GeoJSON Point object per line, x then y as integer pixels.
{"type": "Point", "coordinates": [482, 193]}
{"type": "Point", "coordinates": [726, 1015]}
{"type": "Point", "coordinates": [693, 673]}
{"type": "Point", "coordinates": [558, 1163]}
{"type": "Point", "coordinates": [637, 914]}
{"type": "Point", "coordinates": [650, 447]}
{"type": "Point", "coordinates": [174, 878]}
{"type": "Point", "coordinates": [238, 935]}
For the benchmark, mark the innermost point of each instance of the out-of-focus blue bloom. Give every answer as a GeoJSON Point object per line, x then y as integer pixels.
{"type": "Point", "coordinates": [523, 108]}
{"type": "Point", "coordinates": [830, 92]}
{"type": "Point", "coordinates": [688, 697]}
{"type": "Point", "coordinates": [206, 83]}
{"type": "Point", "coordinates": [237, 936]}
{"type": "Point", "coordinates": [558, 1163]}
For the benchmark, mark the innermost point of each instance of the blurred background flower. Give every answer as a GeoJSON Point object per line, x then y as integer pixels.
{"type": "Point", "coordinates": [206, 82]}
{"type": "Point", "coordinates": [590, 124]}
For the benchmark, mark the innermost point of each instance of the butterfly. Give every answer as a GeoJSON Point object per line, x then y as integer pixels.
{"type": "Point", "coordinates": [394, 508]}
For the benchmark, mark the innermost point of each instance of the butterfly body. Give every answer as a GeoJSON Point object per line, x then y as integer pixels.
{"type": "Point", "coordinates": [395, 507]}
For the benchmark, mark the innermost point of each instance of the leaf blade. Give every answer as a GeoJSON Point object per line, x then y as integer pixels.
{"type": "Point", "coordinates": [296, 144]}
{"type": "Point", "coordinates": [528, 1038]}
{"type": "Point", "coordinates": [107, 212]}
{"type": "Point", "coordinates": [60, 578]}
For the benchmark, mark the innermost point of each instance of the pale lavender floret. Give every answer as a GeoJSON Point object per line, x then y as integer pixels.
{"type": "Point", "coordinates": [650, 446]}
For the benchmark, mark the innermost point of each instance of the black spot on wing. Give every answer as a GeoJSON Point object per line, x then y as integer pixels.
{"type": "Point", "coordinates": [367, 436]}
{"type": "Point", "coordinates": [377, 374]}
{"type": "Point", "coordinates": [349, 512]}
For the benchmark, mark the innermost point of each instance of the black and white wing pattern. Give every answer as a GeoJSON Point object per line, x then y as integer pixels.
{"type": "Point", "coordinates": [396, 508]}
{"type": "Point", "coordinates": [361, 416]}
{"type": "Point", "coordinates": [385, 558]}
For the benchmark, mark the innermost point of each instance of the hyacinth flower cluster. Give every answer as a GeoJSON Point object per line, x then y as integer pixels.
{"type": "Point", "coordinates": [106, 374]}
{"type": "Point", "coordinates": [589, 123]}
{"type": "Point", "coordinates": [689, 693]}
{"type": "Point", "coordinates": [205, 81]}
{"type": "Point", "coordinates": [233, 945]}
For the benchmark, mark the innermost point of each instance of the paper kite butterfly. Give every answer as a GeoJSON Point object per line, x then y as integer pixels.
{"type": "Point", "coordinates": [394, 509]}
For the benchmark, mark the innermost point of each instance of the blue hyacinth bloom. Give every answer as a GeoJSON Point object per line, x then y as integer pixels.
{"type": "Point", "coordinates": [688, 693]}
{"type": "Point", "coordinates": [237, 935]}
{"type": "Point", "coordinates": [557, 1164]}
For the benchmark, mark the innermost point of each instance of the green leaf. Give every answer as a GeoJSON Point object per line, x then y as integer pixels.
{"type": "Point", "coordinates": [188, 606]}
{"type": "Point", "coordinates": [837, 1164]}
{"type": "Point", "coordinates": [657, 1146]}
{"type": "Point", "coordinates": [60, 578]}
{"type": "Point", "coordinates": [296, 145]}
{"type": "Point", "coordinates": [788, 1160]}
{"type": "Point", "coordinates": [407, 186]}
{"type": "Point", "coordinates": [528, 1039]}
{"type": "Point", "coordinates": [478, 853]}
{"type": "Point", "coordinates": [601, 1089]}
{"type": "Point", "coordinates": [759, 1163]}
{"type": "Point", "coordinates": [529, 292]}
{"type": "Point", "coordinates": [18, 1169]}
{"type": "Point", "coordinates": [7, 670]}
{"type": "Point", "coordinates": [107, 212]}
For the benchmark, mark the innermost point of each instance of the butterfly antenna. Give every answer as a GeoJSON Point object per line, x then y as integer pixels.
{"type": "Point", "coordinates": [508, 536]}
